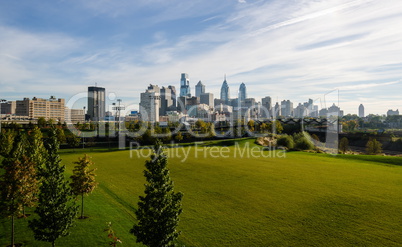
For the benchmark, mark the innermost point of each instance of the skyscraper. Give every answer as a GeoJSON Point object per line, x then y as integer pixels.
{"type": "Point", "coordinates": [242, 92]}
{"type": "Point", "coordinates": [199, 89]}
{"type": "Point", "coordinates": [150, 104]}
{"type": "Point", "coordinates": [96, 103]}
{"type": "Point", "coordinates": [166, 101]}
{"type": "Point", "coordinates": [207, 98]}
{"type": "Point", "coordinates": [266, 106]}
{"type": "Point", "coordinates": [184, 86]}
{"type": "Point", "coordinates": [225, 94]}
{"type": "Point", "coordinates": [173, 91]}
{"type": "Point", "coordinates": [361, 110]}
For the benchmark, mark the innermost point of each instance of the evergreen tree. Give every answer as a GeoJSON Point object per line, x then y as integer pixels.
{"type": "Point", "coordinates": [56, 208]}
{"type": "Point", "coordinates": [158, 211]}
{"type": "Point", "coordinates": [83, 179]}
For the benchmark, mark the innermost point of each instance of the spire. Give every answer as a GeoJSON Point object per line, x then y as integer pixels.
{"type": "Point", "coordinates": [225, 77]}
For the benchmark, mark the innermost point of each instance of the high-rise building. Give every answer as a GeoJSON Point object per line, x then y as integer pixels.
{"type": "Point", "coordinates": [207, 98]}
{"type": "Point", "coordinates": [199, 89]}
{"type": "Point", "coordinates": [96, 103]}
{"type": "Point", "coordinates": [242, 92]}
{"type": "Point", "coordinates": [166, 101]}
{"type": "Point", "coordinates": [266, 107]}
{"type": "Point", "coordinates": [8, 107]}
{"type": "Point", "coordinates": [173, 91]}
{"type": "Point", "coordinates": [286, 108]}
{"type": "Point", "coordinates": [74, 115]}
{"type": "Point", "coordinates": [277, 110]}
{"type": "Point", "coordinates": [150, 104]}
{"type": "Point", "coordinates": [47, 108]}
{"type": "Point", "coordinates": [184, 86]}
{"type": "Point", "coordinates": [225, 93]}
{"type": "Point", "coordinates": [361, 110]}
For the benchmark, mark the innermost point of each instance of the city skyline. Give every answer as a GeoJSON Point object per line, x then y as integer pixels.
{"type": "Point", "coordinates": [291, 51]}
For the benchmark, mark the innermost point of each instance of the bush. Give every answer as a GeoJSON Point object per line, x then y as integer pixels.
{"type": "Point", "coordinates": [286, 141]}
{"type": "Point", "coordinates": [303, 141]}
{"type": "Point", "coordinates": [373, 147]}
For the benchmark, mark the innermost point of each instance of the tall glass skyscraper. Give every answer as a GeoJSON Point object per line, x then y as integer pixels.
{"type": "Point", "coordinates": [225, 93]}
{"type": "Point", "coordinates": [184, 86]}
{"type": "Point", "coordinates": [199, 89]}
{"type": "Point", "coordinates": [242, 92]}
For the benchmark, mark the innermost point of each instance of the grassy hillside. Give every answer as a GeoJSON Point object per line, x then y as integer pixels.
{"type": "Point", "coordinates": [299, 200]}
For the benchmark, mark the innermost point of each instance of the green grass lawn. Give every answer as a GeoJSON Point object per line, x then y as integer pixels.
{"type": "Point", "coordinates": [302, 199]}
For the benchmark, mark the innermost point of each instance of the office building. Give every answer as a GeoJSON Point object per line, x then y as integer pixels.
{"type": "Point", "coordinates": [361, 110]}
{"type": "Point", "coordinates": [74, 115]}
{"type": "Point", "coordinates": [173, 94]}
{"type": "Point", "coordinates": [242, 92]}
{"type": "Point", "coordinates": [207, 98]}
{"type": "Point", "coordinates": [166, 101]}
{"type": "Point", "coordinates": [199, 89]}
{"type": "Point", "coordinates": [96, 103]}
{"type": "Point", "coordinates": [225, 93]}
{"type": "Point", "coordinates": [36, 107]}
{"type": "Point", "coordinates": [266, 107]}
{"type": "Point", "coordinates": [150, 104]}
{"type": "Point", "coordinates": [286, 108]}
{"type": "Point", "coordinates": [8, 107]}
{"type": "Point", "coordinates": [392, 113]}
{"type": "Point", "coordinates": [185, 86]}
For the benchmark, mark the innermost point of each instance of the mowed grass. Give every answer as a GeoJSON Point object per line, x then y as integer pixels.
{"type": "Point", "coordinates": [302, 199]}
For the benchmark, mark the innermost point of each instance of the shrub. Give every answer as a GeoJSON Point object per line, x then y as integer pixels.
{"type": "Point", "coordinates": [286, 141]}
{"type": "Point", "coordinates": [303, 141]}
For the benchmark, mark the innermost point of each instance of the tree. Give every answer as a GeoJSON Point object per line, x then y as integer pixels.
{"type": "Point", "coordinates": [344, 145]}
{"type": "Point", "coordinates": [373, 147]}
{"type": "Point", "coordinates": [18, 183]}
{"type": "Point", "coordinates": [178, 137]}
{"type": "Point", "coordinates": [83, 179]}
{"type": "Point", "coordinates": [41, 122]}
{"type": "Point", "coordinates": [56, 209]}
{"type": "Point", "coordinates": [36, 150]}
{"type": "Point", "coordinates": [6, 142]}
{"type": "Point", "coordinates": [112, 235]}
{"type": "Point", "coordinates": [61, 137]}
{"type": "Point", "coordinates": [158, 211]}
{"type": "Point", "coordinates": [73, 141]}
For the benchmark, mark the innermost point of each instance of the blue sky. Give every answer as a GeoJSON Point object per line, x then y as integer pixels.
{"type": "Point", "coordinates": [294, 49]}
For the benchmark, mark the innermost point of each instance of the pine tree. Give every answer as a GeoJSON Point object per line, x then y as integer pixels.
{"type": "Point", "coordinates": [6, 142]}
{"type": "Point", "coordinates": [158, 211]}
{"type": "Point", "coordinates": [36, 150]}
{"type": "Point", "coordinates": [18, 183]}
{"type": "Point", "coordinates": [56, 208]}
{"type": "Point", "coordinates": [83, 179]}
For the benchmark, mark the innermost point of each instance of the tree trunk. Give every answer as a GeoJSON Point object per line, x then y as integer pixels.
{"type": "Point", "coordinates": [53, 244]}
{"type": "Point", "coordinates": [82, 205]}
{"type": "Point", "coordinates": [12, 230]}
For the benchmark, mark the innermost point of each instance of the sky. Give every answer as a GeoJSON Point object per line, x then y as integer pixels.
{"type": "Point", "coordinates": [346, 51]}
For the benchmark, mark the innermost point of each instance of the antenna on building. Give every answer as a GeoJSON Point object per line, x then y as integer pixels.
{"type": "Point", "coordinates": [96, 84]}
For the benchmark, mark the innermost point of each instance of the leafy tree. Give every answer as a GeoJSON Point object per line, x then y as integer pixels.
{"type": "Point", "coordinates": [56, 208]}
{"type": "Point", "coordinates": [344, 145]}
{"type": "Point", "coordinates": [275, 126]}
{"type": "Point", "coordinates": [178, 137]}
{"type": "Point", "coordinates": [373, 147]}
{"type": "Point", "coordinates": [112, 235]}
{"type": "Point", "coordinates": [83, 179]}
{"type": "Point", "coordinates": [158, 211]}
{"type": "Point", "coordinates": [61, 137]}
{"type": "Point", "coordinates": [73, 141]}
{"type": "Point", "coordinates": [41, 122]}
{"type": "Point", "coordinates": [18, 183]}
{"type": "Point", "coordinates": [36, 150]}
{"type": "Point", "coordinates": [250, 125]}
